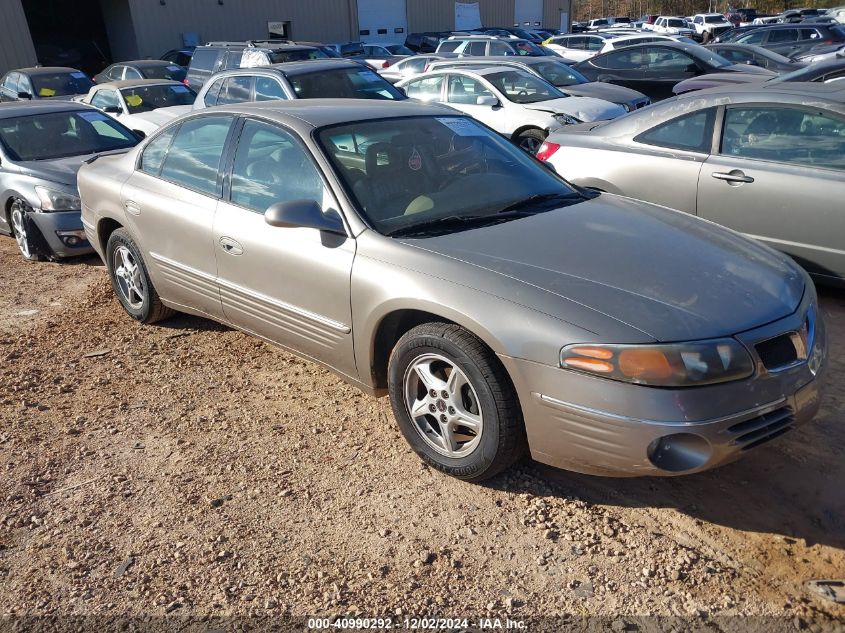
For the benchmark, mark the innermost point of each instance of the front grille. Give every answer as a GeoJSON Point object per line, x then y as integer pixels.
{"type": "Point", "coordinates": [759, 430]}
{"type": "Point", "coordinates": [777, 352]}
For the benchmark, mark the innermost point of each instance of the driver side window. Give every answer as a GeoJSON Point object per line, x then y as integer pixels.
{"type": "Point", "coordinates": [270, 167]}
{"type": "Point", "coordinates": [465, 90]}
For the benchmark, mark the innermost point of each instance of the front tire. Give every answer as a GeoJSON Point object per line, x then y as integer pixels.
{"type": "Point", "coordinates": [25, 232]}
{"type": "Point", "coordinates": [131, 281]}
{"type": "Point", "coordinates": [531, 140]}
{"type": "Point", "coordinates": [454, 402]}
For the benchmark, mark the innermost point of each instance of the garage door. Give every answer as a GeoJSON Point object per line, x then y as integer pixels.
{"type": "Point", "coordinates": [384, 21]}
{"type": "Point", "coordinates": [528, 13]}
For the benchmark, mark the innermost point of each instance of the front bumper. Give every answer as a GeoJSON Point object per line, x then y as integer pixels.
{"type": "Point", "coordinates": [56, 225]}
{"type": "Point", "coordinates": [604, 427]}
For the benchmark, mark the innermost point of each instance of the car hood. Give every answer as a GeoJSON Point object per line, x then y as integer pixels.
{"type": "Point", "coordinates": [60, 170]}
{"type": "Point", "coordinates": [716, 79]}
{"type": "Point", "coordinates": [670, 275]}
{"type": "Point", "coordinates": [749, 69]}
{"type": "Point", "coordinates": [605, 91]}
{"type": "Point", "coordinates": [162, 115]}
{"type": "Point", "coordinates": [582, 108]}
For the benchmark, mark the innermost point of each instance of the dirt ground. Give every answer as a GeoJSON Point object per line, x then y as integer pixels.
{"type": "Point", "coordinates": [186, 469]}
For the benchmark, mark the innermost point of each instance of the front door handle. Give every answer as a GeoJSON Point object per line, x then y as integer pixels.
{"type": "Point", "coordinates": [231, 246]}
{"type": "Point", "coordinates": [132, 207]}
{"type": "Point", "coordinates": [733, 177]}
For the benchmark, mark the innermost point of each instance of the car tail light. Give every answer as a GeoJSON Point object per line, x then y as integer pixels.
{"type": "Point", "coordinates": [385, 64]}
{"type": "Point", "coordinates": [547, 149]}
{"type": "Point", "coordinates": [185, 81]}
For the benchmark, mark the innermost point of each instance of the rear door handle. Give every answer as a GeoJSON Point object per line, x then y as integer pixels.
{"type": "Point", "coordinates": [231, 246]}
{"type": "Point", "coordinates": [132, 207]}
{"type": "Point", "coordinates": [732, 177]}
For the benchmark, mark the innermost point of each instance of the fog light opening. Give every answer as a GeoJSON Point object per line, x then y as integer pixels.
{"type": "Point", "coordinates": [679, 452]}
{"type": "Point", "coordinates": [72, 239]}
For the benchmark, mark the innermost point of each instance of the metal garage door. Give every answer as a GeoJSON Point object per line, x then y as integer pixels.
{"type": "Point", "coordinates": [528, 13]}
{"type": "Point", "coordinates": [384, 21]}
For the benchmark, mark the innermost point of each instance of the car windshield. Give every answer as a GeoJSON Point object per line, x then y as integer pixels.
{"type": "Point", "coordinates": [520, 87]}
{"type": "Point", "coordinates": [146, 98]}
{"type": "Point", "coordinates": [433, 175]}
{"type": "Point", "coordinates": [297, 55]}
{"type": "Point", "coordinates": [170, 71]}
{"type": "Point", "coordinates": [398, 49]}
{"type": "Point", "coordinates": [60, 84]}
{"type": "Point", "coordinates": [559, 74]}
{"type": "Point", "coordinates": [61, 134]}
{"type": "Point", "coordinates": [714, 19]}
{"type": "Point", "coordinates": [675, 23]}
{"type": "Point", "coordinates": [344, 83]}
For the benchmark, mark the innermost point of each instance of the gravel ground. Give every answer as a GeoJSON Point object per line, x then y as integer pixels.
{"type": "Point", "coordinates": [190, 470]}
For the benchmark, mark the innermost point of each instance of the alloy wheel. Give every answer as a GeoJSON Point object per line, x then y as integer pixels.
{"type": "Point", "coordinates": [443, 405]}
{"type": "Point", "coordinates": [530, 144]}
{"type": "Point", "coordinates": [129, 279]}
{"type": "Point", "coordinates": [19, 229]}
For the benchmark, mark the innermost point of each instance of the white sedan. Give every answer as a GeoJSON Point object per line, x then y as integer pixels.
{"type": "Point", "coordinates": [516, 104]}
{"type": "Point", "coordinates": [141, 104]}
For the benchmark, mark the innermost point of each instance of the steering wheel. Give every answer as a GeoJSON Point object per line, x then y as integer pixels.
{"type": "Point", "coordinates": [522, 93]}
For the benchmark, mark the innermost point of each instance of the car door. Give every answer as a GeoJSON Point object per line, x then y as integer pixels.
{"type": "Point", "coordinates": [288, 285]}
{"type": "Point", "coordinates": [665, 67]}
{"type": "Point", "coordinates": [781, 40]}
{"type": "Point", "coordinates": [170, 202]}
{"type": "Point", "coordinates": [779, 176]}
{"type": "Point", "coordinates": [463, 93]}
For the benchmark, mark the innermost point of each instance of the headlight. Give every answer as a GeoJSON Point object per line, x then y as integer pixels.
{"type": "Point", "coordinates": [566, 119]}
{"type": "Point", "coordinates": [670, 365]}
{"type": "Point", "coordinates": [52, 200]}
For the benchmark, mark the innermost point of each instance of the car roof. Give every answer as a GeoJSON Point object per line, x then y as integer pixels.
{"type": "Point", "coordinates": [17, 108]}
{"type": "Point", "coordinates": [481, 72]}
{"type": "Point", "coordinates": [133, 83]}
{"type": "Point", "coordinates": [316, 113]}
{"type": "Point", "coordinates": [144, 62]}
{"type": "Point", "coordinates": [293, 68]}
{"type": "Point", "coordinates": [45, 70]}
{"type": "Point", "coordinates": [807, 93]}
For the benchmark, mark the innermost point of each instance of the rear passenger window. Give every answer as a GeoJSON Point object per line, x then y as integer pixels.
{"type": "Point", "coordinates": [427, 89]}
{"type": "Point", "coordinates": [210, 98]}
{"type": "Point", "coordinates": [194, 157]}
{"type": "Point", "coordinates": [154, 153]}
{"type": "Point", "coordinates": [448, 47]}
{"type": "Point", "coordinates": [691, 132]}
{"type": "Point", "coordinates": [783, 35]}
{"type": "Point", "coordinates": [235, 90]}
{"type": "Point", "coordinates": [477, 49]}
{"type": "Point", "coordinates": [498, 49]}
{"type": "Point", "coordinates": [268, 89]}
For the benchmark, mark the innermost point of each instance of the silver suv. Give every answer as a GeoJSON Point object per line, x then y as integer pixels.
{"type": "Point", "coordinates": [485, 46]}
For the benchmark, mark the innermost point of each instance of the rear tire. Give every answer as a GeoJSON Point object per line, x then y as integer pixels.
{"type": "Point", "coordinates": [454, 402]}
{"type": "Point", "coordinates": [531, 140]}
{"type": "Point", "coordinates": [131, 281]}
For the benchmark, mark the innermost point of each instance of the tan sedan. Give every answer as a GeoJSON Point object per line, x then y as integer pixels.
{"type": "Point", "coordinates": [419, 254]}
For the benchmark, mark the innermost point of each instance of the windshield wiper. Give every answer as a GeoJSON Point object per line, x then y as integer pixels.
{"type": "Point", "coordinates": [541, 201]}
{"type": "Point", "coordinates": [521, 209]}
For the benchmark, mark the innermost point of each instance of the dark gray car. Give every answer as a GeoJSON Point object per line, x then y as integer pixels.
{"type": "Point", "coordinates": [42, 146]}
{"type": "Point", "coordinates": [766, 160]}
{"type": "Point", "coordinates": [47, 82]}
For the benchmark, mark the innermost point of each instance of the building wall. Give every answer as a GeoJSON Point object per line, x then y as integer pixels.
{"type": "Point", "coordinates": [439, 15]}
{"type": "Point", "coordinates": [552, 10]}
{"type": "Point", "coordinates": [159, 28]}
{"type": "Point", "coordinates": [16, 49]}
{"type": "Point", "coordinates": [123, 41]}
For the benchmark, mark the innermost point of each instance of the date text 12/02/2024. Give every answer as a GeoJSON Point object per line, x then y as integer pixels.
{"type": "Point", "coordinates": [416, 624]}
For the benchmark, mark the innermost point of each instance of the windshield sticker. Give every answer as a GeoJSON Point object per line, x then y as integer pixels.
{"type": "Point", "coordinates": [462, 127]}
{"type": "Point", "coordinates": [180, 88]}
{"type": "Point", "coordinates": [93, 116]}
{"type": "Point", "coordinates": [368, 74]}
{"type": "Point", "coordinates": [79, 75]}
{"type": "Point", "coordinates": [46, 92]}
{"type": "Point", "coordinates": [415, 161]}
{"type": "Point", "coordinates": [174, 68]}
{"type": "Point", "coordinates": [134, 100]}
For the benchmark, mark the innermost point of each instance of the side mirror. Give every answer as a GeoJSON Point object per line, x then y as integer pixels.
{"type": "Point", "coordinates": [24, 95]}
{"type": "Point", "coordinates": [140, 134]}
{"type": "Point", "coordinates": [113, 110]}
{"type": "Point", "coordinates": [487, 100]}
{"type": "Point", "coordinates": [303, 214]}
